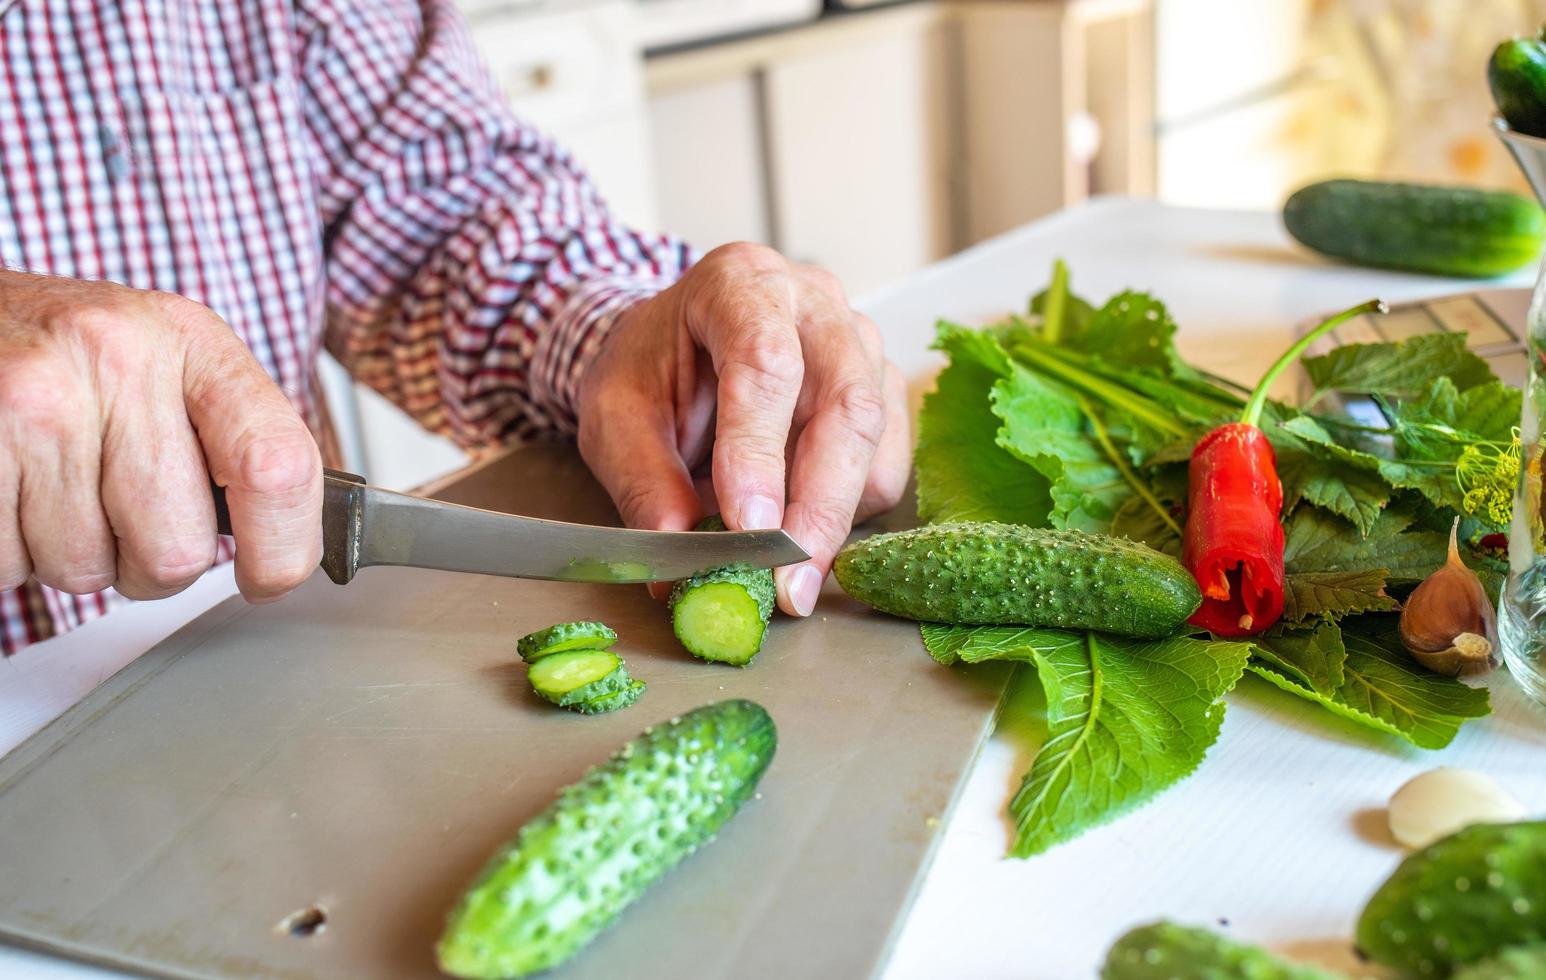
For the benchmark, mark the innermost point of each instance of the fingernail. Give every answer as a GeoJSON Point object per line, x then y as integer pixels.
{"type": "Point", "coordinates": [759, 513]}
{"type": "Point", "coordinates": [804, 587]}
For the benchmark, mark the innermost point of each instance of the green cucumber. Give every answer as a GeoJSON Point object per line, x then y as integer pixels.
{"type": "Point", "coordinates": [1512, 963]}
{"type": "Point", "coordinates": [579, 675]}
{"type": "Point", "coordinates": [1166, 951]}
{"type": "Point", "coordinates": [986, 573]}
{"type": "Point", "coordinates": [1516, 73]}
{"type": "Point", "coordinates": [565, 636]}
{"type": "Point", "coordinates": [1460, 900]}
{"type": "Point", "coordinates": [573, 869]}
{"type": "Point", "coordinates": [1447, 231]}
{"type": "Point", "coordinates": [722, 614]}
{"type": "Point", "coordinates": [611, 702]}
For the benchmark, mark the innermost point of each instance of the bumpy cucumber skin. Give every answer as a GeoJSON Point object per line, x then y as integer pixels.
{"type": "Point", "coordinates": [569, 872]}
{"type": "Point", "coordinates": [986, 573]}
{"type": "Point", "coordinates": [1447, 231]}
{"type": "Point", "coordinates": [1514, 963]}
{"type": "Point", "coordinates": [758, 583]}
{"type": "Point", "coordinates": [1460, 900]}
{"type": "Point", "coordinates": [561, 637]}
{"type": "Point", "coordinates": [609, 684]}
{"type": "Point", "coordinates": [1166, 951]}
{"type": "Point", "coordinates": [611, 702]}
{"type": "Point", "coordinates": [1516, 73]}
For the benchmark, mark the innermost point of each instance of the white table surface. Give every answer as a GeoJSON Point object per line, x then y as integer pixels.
{"type": "Point", "coordinates": [1277, 839]}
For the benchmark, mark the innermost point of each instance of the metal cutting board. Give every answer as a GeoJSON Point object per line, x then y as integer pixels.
{"type": "Point", "coordinates": [363, 749]}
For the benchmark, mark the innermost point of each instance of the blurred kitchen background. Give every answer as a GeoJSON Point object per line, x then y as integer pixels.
{"type": "Point", "coordinates": [876, 137]}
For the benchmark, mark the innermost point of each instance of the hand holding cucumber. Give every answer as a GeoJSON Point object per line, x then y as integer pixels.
{"type": "Point", "coordinates": [756, 365]}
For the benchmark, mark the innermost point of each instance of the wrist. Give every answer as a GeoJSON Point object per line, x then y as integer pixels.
{"type": "Point", "coordinates": [576, 335]}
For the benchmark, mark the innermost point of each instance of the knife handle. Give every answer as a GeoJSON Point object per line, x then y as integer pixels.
{"type": "Point", "coordinates": [343, 511]}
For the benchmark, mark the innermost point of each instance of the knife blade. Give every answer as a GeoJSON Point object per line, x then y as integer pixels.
{"type": "Point", "coordinates": [364, 525]}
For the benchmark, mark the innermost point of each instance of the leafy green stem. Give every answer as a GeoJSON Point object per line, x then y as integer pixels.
{"type": "Point", "coordinates": [1258, 399]}
{"type": "Point", "coordinates": [1152, 413]}
{"type": "Point", "coordinates": [1056, 304]}
{"type": "Point", "coordinates": [1139, 486]}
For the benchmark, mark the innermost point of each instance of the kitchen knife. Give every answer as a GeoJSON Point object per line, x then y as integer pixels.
{"type": "Point", "coordinates": [364, 525]}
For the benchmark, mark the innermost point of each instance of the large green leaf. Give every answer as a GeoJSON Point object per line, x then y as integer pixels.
{"type": "Point", "coordinates": [1382, 688]}
{"type": "Point", "coordinates": [963, 474]}
{"type": "Point", "coordinates": [1309, 475]}
{"type": "Point", "coordinates": [1132, 330]}
{"type": "Point", "coordinates": [1398, 369]}
{"type": "Point", "coordinates": [1137, 520]}
{"type": "Point", "coordinates": [1126, 719]}
{"type": "Point", "coordinates": [1488, 411]}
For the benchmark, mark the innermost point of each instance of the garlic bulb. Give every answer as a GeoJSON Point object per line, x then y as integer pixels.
{"type": "Point", "coordinates": [1448, 623]}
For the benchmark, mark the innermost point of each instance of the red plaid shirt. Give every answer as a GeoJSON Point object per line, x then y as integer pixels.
{"type": "Point", "coordinates": [315, 171]}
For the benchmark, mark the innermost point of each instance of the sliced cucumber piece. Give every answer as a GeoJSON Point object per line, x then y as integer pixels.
{"type": "Point", "coordinates": [613, 701]}
{"type": "Point", "coordinates": [565, 636]}
{"type": "Point", "coordinates": [722, 614]}
{"type": "Point", "coordinates": [569, 678]}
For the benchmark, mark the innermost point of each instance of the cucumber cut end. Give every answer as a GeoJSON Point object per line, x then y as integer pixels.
{"type": "Point", "coordinates": [720, 621]}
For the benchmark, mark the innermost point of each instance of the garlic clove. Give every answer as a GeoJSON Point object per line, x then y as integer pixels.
{"type": "Point", "coordinates": [1441, 801]}
{"type": "Point", "coordinates": [1448, 623]}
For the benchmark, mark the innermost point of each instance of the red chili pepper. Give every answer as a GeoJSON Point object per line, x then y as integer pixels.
{"type": "Point", "coordinates": [1233, 543]}
{"type": "Point", "coordinates": [1234, 538]}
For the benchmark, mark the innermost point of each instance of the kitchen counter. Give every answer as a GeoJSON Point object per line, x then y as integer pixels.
{"type": "Point", "coordinates": [1279, 836]}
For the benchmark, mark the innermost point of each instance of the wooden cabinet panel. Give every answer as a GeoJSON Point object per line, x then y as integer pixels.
{"type": "Point", "coordinates": [707, 152]}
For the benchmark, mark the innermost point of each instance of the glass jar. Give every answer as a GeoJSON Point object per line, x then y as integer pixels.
{"type": "Point", "coordinates": [1522, 606]}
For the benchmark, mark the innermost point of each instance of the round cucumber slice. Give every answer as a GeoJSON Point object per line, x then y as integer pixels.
{"type": "Point", "coordinates": [585, 635]}
{"type": "Point", "coordinates": [569, 678]}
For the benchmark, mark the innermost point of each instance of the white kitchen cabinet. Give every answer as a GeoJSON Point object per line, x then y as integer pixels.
{"type": "Point", "coordinates": [709, 160]}
{"type": "Point", "coordinates": [861, 140]}
{"type": "Point", "coordinates": [876, 142]}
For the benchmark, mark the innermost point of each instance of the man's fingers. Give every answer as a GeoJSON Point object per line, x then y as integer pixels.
{"type": "Point", "coordinates": [155, 491]}
{"type": "Point", "coordinates": [831, 463]}
{"type": "Point", "coordinates": [15, 565]}
{"type": "Point", "coordinates": [630, 446]}
{"type": "Point", "coordinates": [747, 322]}
{"type": "Point", "coordinates": [258, 448]}
{"type": "Point", "coordinates": [63, 529]}
{"type": "Point", "coordinates": [887, 481]}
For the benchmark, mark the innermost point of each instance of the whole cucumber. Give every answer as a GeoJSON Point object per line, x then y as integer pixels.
{"type": "Point", "coordinates": [573, 869]}
{"type": "Point", "coordinates": [1460, 900]}
{"type": "Point", "coordinates": [1446, 231]}
{"type": "Point", "coordinates": [1516, 73]}
{"type": "Point", "coordinates": [985, 572]}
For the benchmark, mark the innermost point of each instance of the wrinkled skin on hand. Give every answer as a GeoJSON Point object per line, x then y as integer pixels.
{"type": "Point", "coordinates": [758, 366]}
{"type": "Point", "coordinates": [117, 406]}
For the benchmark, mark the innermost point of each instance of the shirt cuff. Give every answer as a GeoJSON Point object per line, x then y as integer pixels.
{"type": "Point", "coordinates": [574, 338]}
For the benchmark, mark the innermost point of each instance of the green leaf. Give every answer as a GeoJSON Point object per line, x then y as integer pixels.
{"type": "Point", "coordinates": [963, 474]}
{"type": "Point", "coordinates": [1137, 521]}
{"type": "Point", "coordinates": [1126, 720]}
{"type": "Point", "coordinates": [1383, 689]}
{"type": "Point", "coordinates": [1488, 411]}
{"type": "Point", "coordinates": [1132, 330]}
{"type": "Point", "coordinates": [948, 644]}
{"type": "Point", "coordinates": [1397, 369]}
{"type": "Point", "coordinates": [1434, 479]}
{"type": "Point", "coordinates": [1308, 475]}
{"type": "Point", "coordinates": [1044, 428]}
{"type": "Point", "coordinates": [1314, 656]}
{"type": "Point", "coordinates": [1335, 594]}
{"type": "Point", "coordinates": [1318, 542]}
